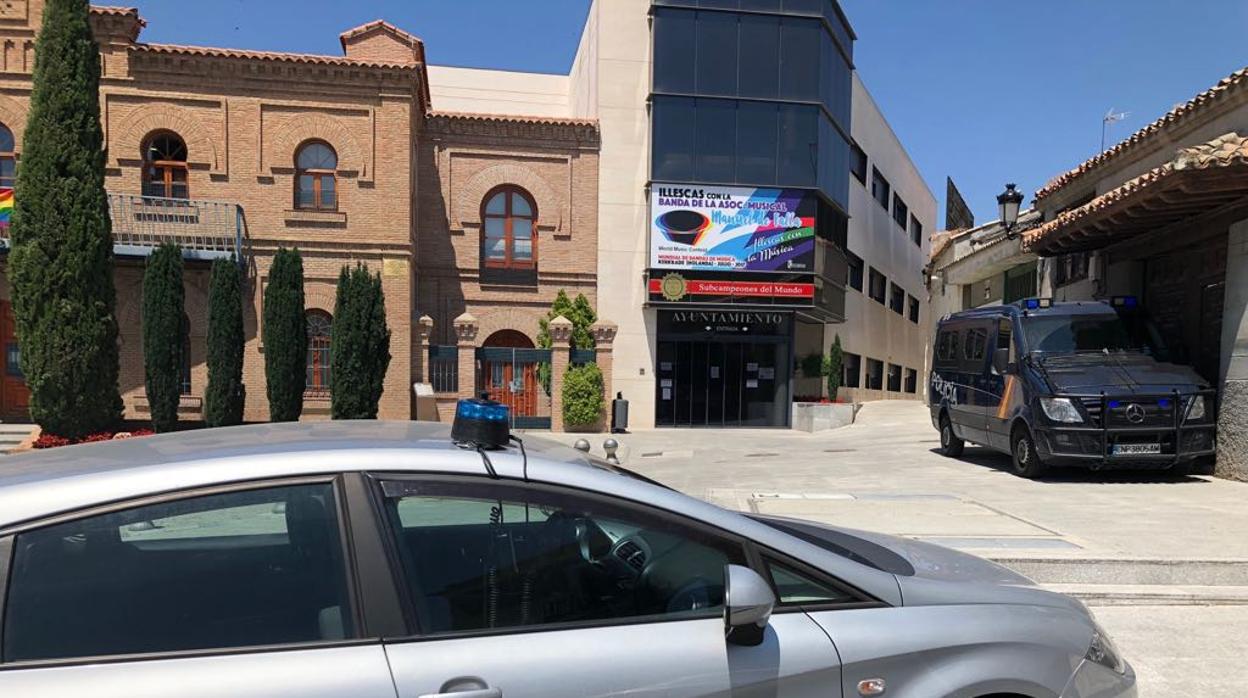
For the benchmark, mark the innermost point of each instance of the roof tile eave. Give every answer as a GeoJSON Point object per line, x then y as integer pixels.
{"type": "Point", "coordinates": [309, 58]}
{"type": "Point", "coordinates": [515, 118]}
{"type": "Point", "coordinates": [1179, 113]}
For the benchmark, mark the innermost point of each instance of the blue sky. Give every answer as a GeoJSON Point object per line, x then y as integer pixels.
{"type": "Point", "coordinates": [980, 90]}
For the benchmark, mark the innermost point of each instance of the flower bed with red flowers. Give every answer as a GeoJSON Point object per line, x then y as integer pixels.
{"type": "Point", "coordinates": [52, 440]}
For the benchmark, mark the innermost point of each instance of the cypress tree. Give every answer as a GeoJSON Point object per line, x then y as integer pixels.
{"type": "Point", "coordinates": [359, 348]}
{"type": "Point", "coordinates": [163, 308]}
{"type": "Point", "coordinates": [61, 267]}
{"type": "Point", "coordinates": [223, 401]}
{"type": "Point", "coordinates": [285, 337]}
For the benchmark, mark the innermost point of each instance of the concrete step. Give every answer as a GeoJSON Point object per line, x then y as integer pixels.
{"type": "Point", "coordinates": [1154, 595]}
{"type": "Point", "coordinates": [12, 435]}
{"type": "Point", "coordinates": [1128, 571]}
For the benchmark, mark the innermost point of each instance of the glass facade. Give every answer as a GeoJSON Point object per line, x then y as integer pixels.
{"type": "Point", "coordinates": [752, 92]}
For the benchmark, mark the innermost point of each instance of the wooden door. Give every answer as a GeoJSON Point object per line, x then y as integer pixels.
{"type": "Point", "coordinates": [513, 383]}
{"type": "Point", "coordinates": [14, 396]}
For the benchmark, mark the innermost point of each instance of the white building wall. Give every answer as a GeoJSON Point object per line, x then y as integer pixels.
{"type": "Point", "coordinates": [872, 330]}
{"type": "Point", "coordinates": [498, 92]}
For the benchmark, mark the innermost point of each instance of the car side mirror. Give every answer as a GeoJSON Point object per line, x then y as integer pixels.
{"type": "Point", "coordinates": [1001, 360]}
{"type": "Point", "coordinates": [748, 602]}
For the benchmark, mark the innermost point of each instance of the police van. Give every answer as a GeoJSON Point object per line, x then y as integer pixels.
{"type": "Point", "coordinates": [1082, 383]}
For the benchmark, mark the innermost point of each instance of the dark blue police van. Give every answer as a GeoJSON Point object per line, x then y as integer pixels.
{"type": "Point", "coordinates": [1083, 383]}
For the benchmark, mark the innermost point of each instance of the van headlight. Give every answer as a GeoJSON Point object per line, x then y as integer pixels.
{"type": "Point", "coordinates": [1060, 409]}
{"type": "Point", "coordinates": [1102, 651]}
{"type": "Point", "coordinates": [1195, 408]}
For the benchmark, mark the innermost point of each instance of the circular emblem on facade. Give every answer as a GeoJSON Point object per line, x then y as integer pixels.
{"type": "Point", "coordinates": [1135, 413]}
{"type": "Point", "coordinates": [674, 287]}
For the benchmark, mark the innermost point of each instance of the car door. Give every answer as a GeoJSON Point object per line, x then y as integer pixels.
{"type": "Point", "coordinates": [1007, 391]}
{"type": "Point", "coordinates": [525, 591]}
{"type": "Point", "coordinates": [242, 592]}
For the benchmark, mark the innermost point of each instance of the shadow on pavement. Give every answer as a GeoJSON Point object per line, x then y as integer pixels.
{"type": "Point", "coordinates": [999, 461]}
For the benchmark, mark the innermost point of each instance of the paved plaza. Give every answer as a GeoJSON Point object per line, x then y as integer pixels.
{"type": "Point", "coordinates": [1162, 560]}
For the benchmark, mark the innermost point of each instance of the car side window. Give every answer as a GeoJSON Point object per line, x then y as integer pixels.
{"type": "Point", "coordinates": [487, 555]}
{"type": "Point", "coordinates": [794, 588]}
{"type": "Point", "coordinates": [244, 568]}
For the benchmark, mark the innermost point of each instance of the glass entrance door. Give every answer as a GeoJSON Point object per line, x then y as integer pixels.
{"type": "Point", "coordinates": [722, 383]}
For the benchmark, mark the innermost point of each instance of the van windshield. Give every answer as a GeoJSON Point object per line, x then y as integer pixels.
{"type": "Point", "coordinates": [1067, 334]}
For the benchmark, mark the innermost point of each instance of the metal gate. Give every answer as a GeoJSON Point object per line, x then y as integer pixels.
{"type": "Point", "coordinates": [514, 377]}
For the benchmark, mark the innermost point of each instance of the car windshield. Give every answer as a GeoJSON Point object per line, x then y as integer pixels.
{"type": "Point", "coordinates": [1067, 334]}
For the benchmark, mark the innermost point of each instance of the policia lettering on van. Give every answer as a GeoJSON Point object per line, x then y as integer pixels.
{"type": "Point", "coordinates": [1067, 384]}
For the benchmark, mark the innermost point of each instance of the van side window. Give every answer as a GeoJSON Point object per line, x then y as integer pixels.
{"type": "Point", "coordinates": [1004, 333]}
{"type": "Point", "coordinates": [976, 338]}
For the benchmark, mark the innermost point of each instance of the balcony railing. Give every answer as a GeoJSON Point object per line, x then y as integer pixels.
{"type": "Point", "coordinates": [203, 229]}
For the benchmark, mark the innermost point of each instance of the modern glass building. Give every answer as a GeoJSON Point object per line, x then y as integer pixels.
{"type": "Point", "coordinates": [749, 181]}
{"type": "Point", "coordinates": [748, 187]}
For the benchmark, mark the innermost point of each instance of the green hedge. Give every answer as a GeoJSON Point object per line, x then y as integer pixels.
{"type": "Point", "coordinates": [582, 396]}
{"type": "Point", "coordinates": [223, 401]}
{"type": "Point", "coordinates": [285, 333]}
{"type": "Point", "coordinates": [163, 301]}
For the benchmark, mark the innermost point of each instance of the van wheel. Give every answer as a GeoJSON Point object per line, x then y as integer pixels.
{"type": "Point", "coordinates": [950, 444]}
{"type": "Point", "coordinates": [1027, 462]}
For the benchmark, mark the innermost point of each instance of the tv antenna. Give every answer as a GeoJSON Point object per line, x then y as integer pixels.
{"type": "Point", "coordinates": [1111, 117]}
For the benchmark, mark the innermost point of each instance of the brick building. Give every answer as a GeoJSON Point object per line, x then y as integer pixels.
{"type": "Point", "coordinates": [480, 218]}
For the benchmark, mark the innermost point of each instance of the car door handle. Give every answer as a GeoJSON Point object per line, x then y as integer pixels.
{"type": "Point", "coordinates": [471, 693]}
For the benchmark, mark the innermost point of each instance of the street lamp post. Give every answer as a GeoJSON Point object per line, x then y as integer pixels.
{"type": "Point", "coordinates": [1008, 203]}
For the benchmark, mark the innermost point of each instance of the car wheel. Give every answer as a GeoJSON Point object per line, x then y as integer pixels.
{"type": "Point", "coordinates": [950, 444]}
{"type": "Point", "coordinates": [1027, 462]}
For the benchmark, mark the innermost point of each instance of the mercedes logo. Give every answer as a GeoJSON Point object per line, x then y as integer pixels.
{"type": "Point", "coordinates": [1135, 413]}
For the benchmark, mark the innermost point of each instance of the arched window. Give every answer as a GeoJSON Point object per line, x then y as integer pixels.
{"type": "Point", "coordinates": [164, 166]}
{"type": "Point", "coordinates": [319, 324]}
{"type": "Point", "coordinates": [316, 176]}
{"type": "Point", "coordinates": [8, 158]}
{"type": "Point", "coordinates": [509, 229]}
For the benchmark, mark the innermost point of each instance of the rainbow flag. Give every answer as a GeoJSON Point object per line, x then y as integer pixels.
{"type": "Point", "coordinates": [6, 206]}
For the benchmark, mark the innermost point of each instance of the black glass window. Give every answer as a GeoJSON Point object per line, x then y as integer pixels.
{"type": "Point", "coordinates": [901, 212]}
{"type": "Point", "coordinates": [673, 134]}
{"type": "Point", "coordinates": [757, 142]}
{"type": "Point", "coordinates": [259, 567]}
{"type": "Point", "coordinates": [912, 380]}
{"type": "Point", "coordinates": [853, 370]}
{"type": "Point", "coordinates": [879, 286]}
{"type": "Point", "coordinates": [916, 231]}
{"type": "Point", "coordinates": [858, 163]}
{"type": "Point", "coordinates": [675, 49]}
{"type": "Point", "coordinates": [715, 149]}
{"type": "Point", "coordinates": [855, 270]}
{"type": "Point", "coordinates": [896, 299]}
{"type": "Point", "coordinates": [799, 145]}
{"type": "Point", "coordinates": [894, 378]}
{"type": "Point", "coordinates": [914, 310]}
{"type": "Point", "coordinates": [717, 53]}
{"type": "Point", "coordinates": [759, 70]}
{"type": "Point", "coordinates": [799, 58]}
{"type": "Point", "coordinates": [880, 190]}
{"type": "Point", "coordinates": [875, 374]}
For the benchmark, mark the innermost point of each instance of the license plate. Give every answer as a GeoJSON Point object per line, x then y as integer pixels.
{"type": "Point", "coordinates": [1136, 449]}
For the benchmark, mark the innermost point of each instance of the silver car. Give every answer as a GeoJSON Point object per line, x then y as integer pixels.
{"type": "Point", "coordinates": [380, 560]}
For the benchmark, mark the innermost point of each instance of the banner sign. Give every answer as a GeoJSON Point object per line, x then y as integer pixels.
{"type": "Point", "coordinates": [6, 206]}
{"type": "Point", "coordinates": [741, 229]}
{"type": "Point", "coordinates": [672, 287]}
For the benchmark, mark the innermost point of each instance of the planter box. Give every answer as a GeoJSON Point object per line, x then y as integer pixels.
{"type": "Point", "coordinates": [821, 416]}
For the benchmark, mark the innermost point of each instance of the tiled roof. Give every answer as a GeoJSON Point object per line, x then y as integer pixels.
{"type": "Point", "coordinates": [942, 240]}
{"type": "Point", "coordinates": [408, 37]}
{"type": "Point", "coordinates": [1225, 151]}
{"type": "Point", "coordinates": [308, 58]}
{"type": "Point", "coordinates": [514, 118]}
{"type": "Point", "coordinates": [1180, 113]}
{"type": "Point", "coordinates": [110, 10]}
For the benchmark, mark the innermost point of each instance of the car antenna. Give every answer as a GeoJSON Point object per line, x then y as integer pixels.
{"type": "Point", "coordinates": [524, 456]}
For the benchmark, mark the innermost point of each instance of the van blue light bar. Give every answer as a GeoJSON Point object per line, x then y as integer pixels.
{"type": "Point", "coordinates": [1124, 302]}
{"type": "Point", "coordinates": [1037, 303]}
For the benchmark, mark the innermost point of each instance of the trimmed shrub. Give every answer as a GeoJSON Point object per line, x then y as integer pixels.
{"type": "Point", "coordinates": [285, 336]}
{"type": "Point", "coordinates": [812, 365]}
{"type": "Point", "coordinates": [834, 367]}
{"type": "Point", "coordinates": [225, 396]}
{"type": "Point", "coordinates": [61, 266]}
{"type": "Point", "coordinates": [582, 396]}
{"type": "Point", "coordinates": [359, 349]}
{"type": "Point", "coordinates": [163, 310]}
{"type": "Point", "coordinates": [582, 316]}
